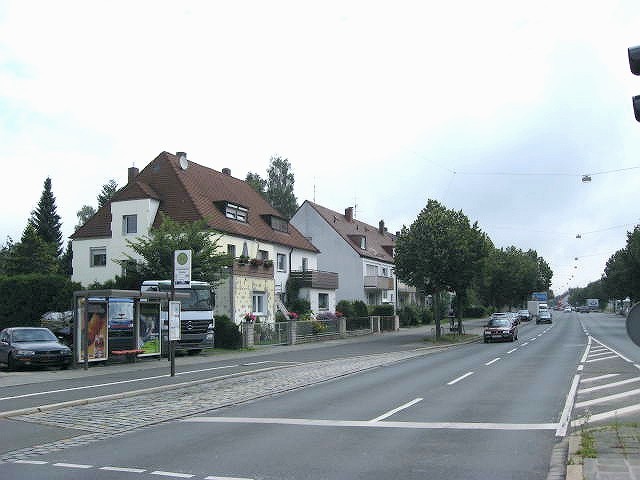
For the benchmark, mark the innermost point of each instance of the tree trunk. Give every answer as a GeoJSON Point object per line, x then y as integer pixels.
{"type": "Point", "coordinates": [459, 312]}
{"type": "Point", "coordinates": [436, 312]}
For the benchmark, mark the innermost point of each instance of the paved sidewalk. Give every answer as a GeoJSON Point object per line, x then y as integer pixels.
{"type": "Point", "coordinates": [617, 454]}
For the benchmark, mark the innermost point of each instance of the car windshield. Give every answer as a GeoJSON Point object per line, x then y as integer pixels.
{"type": "Point", "coordinates": [33, 335]}
{"type": "Point", "coordinates": [498, 322]}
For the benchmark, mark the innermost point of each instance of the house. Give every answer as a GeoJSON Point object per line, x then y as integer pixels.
{"type": "Point", "coordinates": [186, 191]}
{"type": "Point", "coordinates": [361, 254]}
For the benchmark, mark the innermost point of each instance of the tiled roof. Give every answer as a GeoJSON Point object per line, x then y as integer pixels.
{"type": "Point", "coordinates": [379, 245]}
{"type": "Point", "coordinates": [194, 194]}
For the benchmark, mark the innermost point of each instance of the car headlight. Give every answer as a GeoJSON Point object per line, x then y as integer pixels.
{"type": "Point", "coordinates": [25, 353]}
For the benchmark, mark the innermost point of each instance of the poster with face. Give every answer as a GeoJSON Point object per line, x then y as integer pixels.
{"type": "Point", "coordinates": [96, 329]}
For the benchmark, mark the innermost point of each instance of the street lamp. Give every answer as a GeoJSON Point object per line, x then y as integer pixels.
{"type": "Point", "coordinates": [586, 178]}
{"type": "Point", "coordinates": [634, 65]}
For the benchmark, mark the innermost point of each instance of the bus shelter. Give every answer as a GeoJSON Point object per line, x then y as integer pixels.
{"type": "Point", "coordinates": [106, 321]}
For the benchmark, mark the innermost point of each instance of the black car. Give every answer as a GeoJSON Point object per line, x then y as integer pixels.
{"type": "Point", "coordinates": [32, 346]}
{"type": "Point", "coordinates": [500, 329]}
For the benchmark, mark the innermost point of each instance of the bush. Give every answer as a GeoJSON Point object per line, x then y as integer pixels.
{"type": "Point", "coordinates": [280, 317]}
{"type": "Point", "coordinates": [300, 306]}
{"type": "Point", "coordinates": [346, 308]}
{"type": "Point", "coordinates": [382, 310]}
{"type": "Point", "coordinates": [360, 309]}
{"type": "Point", "coordinates": [227, 333]}
{"type": "Point", "coordinates": [25, 298]}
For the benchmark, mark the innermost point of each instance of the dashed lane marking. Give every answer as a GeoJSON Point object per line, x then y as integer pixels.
{"type": "Point", "coordinates": [492, 361]}
{"type": "Point", "coordinates": [123, 469]}
{"type": "Point", "coordinates": [172, 474]}
{"type": "Point", "coordinates": [396, 410]}
{"type": "Point", "coordinates": [512, 350]}
{"type": "Point", "coordinates": [72, 465]}
{"type": "Point", "coordinates": [453, 382]}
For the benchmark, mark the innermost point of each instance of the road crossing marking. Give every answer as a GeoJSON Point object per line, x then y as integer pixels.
{"type": "Point", "coordinates": [396, 410]}
{"type": "Point", "coordinates": [600, 377]}
{"type": "Point", "coordinates": [616, 396]}
{"type": "Point", "coordinates": [308, 422]}
{"type": "Point", "coordinates": [453, 382]}
{"type": "Point", "coordinates": [617, 353]}
{"type": "Point", "coordinates": [609, 385]}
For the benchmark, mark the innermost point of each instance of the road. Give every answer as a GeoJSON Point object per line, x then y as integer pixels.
{"type": "Point", "coordinates": [377, 409]}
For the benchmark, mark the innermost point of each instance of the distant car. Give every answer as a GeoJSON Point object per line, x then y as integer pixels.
{"type": "Point", "coordinates": [500, 329]}
{"type": "Point", "coordinates": [583, 309]}
{"type": "Point", "coordinates": [544, 317]}
{"type": "Point", "coordinates": [567, 309]}
{"type": "Point", "coordinates": [524, 315]}
{"type": "Point", "coordinates": [32, 346]}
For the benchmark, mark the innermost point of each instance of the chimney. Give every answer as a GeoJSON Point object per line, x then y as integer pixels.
{"type": "Point", "coordinates": [226, 171]}
{"type": "Point", "coordinates": [181, 154]}
{"type": "Point", "coordinates": [133, 173]}
{"type": "Point", "coordinates": [381, 228]}
{"type": "Point", "coordinates": [348, 214]}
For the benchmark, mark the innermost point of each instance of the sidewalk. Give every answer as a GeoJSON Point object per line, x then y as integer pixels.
{"type": "Point", "coordinates": [612, 452]}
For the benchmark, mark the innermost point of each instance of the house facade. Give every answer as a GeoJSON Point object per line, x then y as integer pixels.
{"type": "Point", "coordinates": [266, 247]}
{"type": "Point", "coordinates": [361, 254]}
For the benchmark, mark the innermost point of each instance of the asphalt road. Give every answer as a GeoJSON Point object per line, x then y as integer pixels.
{"type": "Point", "coordinates": [476, 411]}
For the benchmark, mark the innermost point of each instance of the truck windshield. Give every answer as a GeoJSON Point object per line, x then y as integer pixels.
{"type": "Point", "coordinates": [200, 298]}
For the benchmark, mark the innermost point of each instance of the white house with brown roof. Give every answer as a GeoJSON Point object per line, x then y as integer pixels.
{"type": "Point", "coordinates": [186, 191]}
{"type": "Point", "coordinates": [361, 254]}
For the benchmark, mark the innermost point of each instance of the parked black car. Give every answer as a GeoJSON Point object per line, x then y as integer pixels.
{"type": "Point", "coordinates": [32, 346]}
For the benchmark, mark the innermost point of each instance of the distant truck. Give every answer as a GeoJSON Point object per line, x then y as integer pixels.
{"type": "Point", "coordinates": [593, 304]}
{"type": "Point", "coordinates": [534, 309]}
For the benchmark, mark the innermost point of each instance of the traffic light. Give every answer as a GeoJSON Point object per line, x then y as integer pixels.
{"type": "Point", "coordinates": [634, 64]}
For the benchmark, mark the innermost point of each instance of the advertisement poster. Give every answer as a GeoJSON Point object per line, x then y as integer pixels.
{"type": "Point", "coordinates": [149, 329]}
{"type": "Point", "coordinates": [96, 329]}
{"type": "Point", "coordinates": [120, 313]}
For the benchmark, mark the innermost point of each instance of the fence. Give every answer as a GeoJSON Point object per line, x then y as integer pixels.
{"type": "Point", "coordinates": [305, 331]}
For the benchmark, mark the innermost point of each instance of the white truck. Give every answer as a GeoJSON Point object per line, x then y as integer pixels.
{"type": "Point", "coordinates": [534, 309]}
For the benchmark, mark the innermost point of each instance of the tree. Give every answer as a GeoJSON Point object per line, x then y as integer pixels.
{"type": "Point", "coordinates": [66, 260]}
{"type": "Point", "coordinates": [46, 221]}
{"type": "Point", "coordinates": [32, 255]}
{"type": "Point", "coordinates": [84, 214]}
{"type": "Point", "coordinates": [5, 253]}
{"type": "Point", "coordinates": [280, 187]}
{"type": "Point", "coordinates": [156, 250]}
{"type": "Point", "coordinates": [258, 183]}
{"type": "Point", "coordinates": [438, 252]}
{"type": "Point", "coordinates": [108, 189]}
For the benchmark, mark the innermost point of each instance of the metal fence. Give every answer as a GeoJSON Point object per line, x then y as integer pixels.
{"type": "Point", "coordinates": [271, 333]}
{"type": "Point", "coordinates": [388, 323]}
{"type": "Point", "coordinates": [316, 330]}
{"type": "Point", "coordinates": [358, 326]}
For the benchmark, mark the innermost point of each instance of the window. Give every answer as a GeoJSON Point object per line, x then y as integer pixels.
{"type": "Point", "coordinates": [282, 262]}
{"type": "Point", "coordinates": [129, 224]}
{"type": "Point", "coordinates": [323, 301]}
{"type": "Point", "coordinates": [279, 224]}
{"type": "Point", "coordinates": [98, 257]}
{"type": "Point", "coordinates": [363, 243]}
{"type": "Point", "coordinates": [305, 264]}
{"type": "Point", "coordinates": [231, 250]}
{"type": "Point", "coordinates": [385, 272]}
{"type": "Point", "coordinates": [258, 303]}
{"type": "Point", "coordinates": [236, 212]}
{"type": "Point", "coordinates": [372, 270]}
{"type": "Point", "coordinates": [263, 255]}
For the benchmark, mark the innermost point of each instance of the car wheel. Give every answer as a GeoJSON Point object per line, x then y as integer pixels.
{"type": "Point", "coordinates": [11, 363]}
{"type": "Point", "coordinates": [193, 352]}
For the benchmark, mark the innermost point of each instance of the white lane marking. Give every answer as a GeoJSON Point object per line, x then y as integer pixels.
{"type": "Point", "coordinates": [532, 339]}
{"type": "Point", "coordinates": [360, 423]}
{"type": "Point", "coordinates": [617, 353]}
{"type": "Point", "coordinates": [605, 415]}
{"type": "Point", "coordinates": [512, 350]}
{"type": "Point", "coordinates": [600, 377]}
{"type": "Point", "coordinates": [599, 349]}
{"type": "Point", "coordinates": [580, 368]}
{"type": "Point", "coordinates": [609, 385]}
{"type": "Point", "coordinates": [586, 350]}
{"type": "Point", "coordinates": [396, 410]}
{"type": "Point", "coordinates": [31, 462]}
{"type": "Point", "coordinates": [636, 365]}
{"type": "Point", "coordinates": [568, 406]}
{"type": "Point", "coordinates": [599, 354]}
{"type": "Point", "coordinates": [226, 478]}
{"type": "Point", "coordinates": [72, 465]}
{"type": "Point", "coordinates": [452, 382]}
{"type": "Point", "coordinates": [172, 474]}
{"type": "Point", "coordinates": [123, 469]}
{"type": "Point", "coordinates": [601, 358]}
{"type": "Point", "coordinates": [492, 361]}
{"type": "Point", "coordinates": [525, 344]}
{"type": "Point", "coordinates": [608, 398]}
{"type": "Point", "coordinates": [257, 363]}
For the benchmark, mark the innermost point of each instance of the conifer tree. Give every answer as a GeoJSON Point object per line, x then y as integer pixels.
{"type": "Point", "coordinates": [46, 221]}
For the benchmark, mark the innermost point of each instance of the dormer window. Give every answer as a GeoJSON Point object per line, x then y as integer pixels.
{"type": "Point", "coordinates": [279, 224]}
{"type": "Point", "coordinates": [363, 243]}
{"type": "Point", "coordinates": [236, 212]}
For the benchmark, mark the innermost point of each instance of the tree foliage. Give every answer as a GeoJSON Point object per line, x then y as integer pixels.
{"type": "Point", "coordinates": [84, 214]}
{"type": "Point", "coordinates": [156, 250]}
{"type": "Point", "coordinates": [621, 276]}
{"type": "Point", "coordinates": [45, 219]}
{"type": "Point", "coordinates": [280, 181]}
{"type": "Point", "coordinates": [32, 255]}
{"type": "Point", "coordinates": [258, 183]}
{"type": "Point", "coordinates": [108, 189]}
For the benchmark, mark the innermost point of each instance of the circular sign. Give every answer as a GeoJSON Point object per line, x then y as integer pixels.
{"type": "Point", "coordinates": [182, 258]}
{"type": "Point", "coordinates": [633, 324]}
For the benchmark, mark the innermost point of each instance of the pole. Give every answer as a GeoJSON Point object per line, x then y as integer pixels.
{"type": "Point", "coordinates": [172, 343]}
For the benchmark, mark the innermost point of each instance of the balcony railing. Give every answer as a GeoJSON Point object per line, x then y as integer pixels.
{"type": "Point", "coordinates": [375, 282]}
{"type": "Point", "coordinates": [315, 279]}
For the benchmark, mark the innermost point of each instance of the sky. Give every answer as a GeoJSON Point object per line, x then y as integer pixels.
{"type": "Point", "coordinates": [496, 108]}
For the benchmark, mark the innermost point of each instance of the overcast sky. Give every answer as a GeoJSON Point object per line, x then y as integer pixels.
{"type": "Point", "coordinates": [496, 108]}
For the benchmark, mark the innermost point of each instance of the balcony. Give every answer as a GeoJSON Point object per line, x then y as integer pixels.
{"type": "Point", "coordinates": [374, 282]}
{"type": "Point", "coordinates": [315, 279]}
{"type": "Point", "coordinates": [248, 269]}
